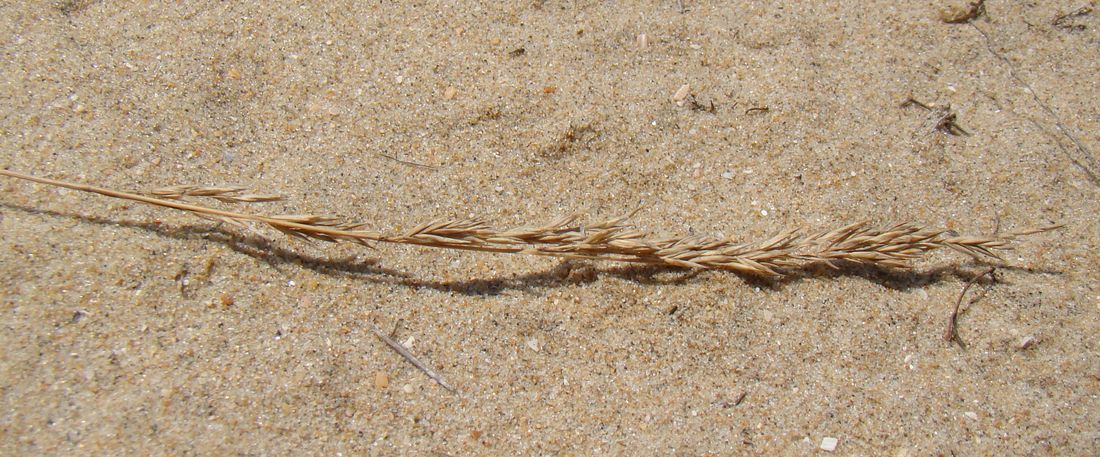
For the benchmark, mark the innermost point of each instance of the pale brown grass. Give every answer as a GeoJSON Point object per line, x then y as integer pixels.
{"type": "Point", "coordinates": [895, 246]}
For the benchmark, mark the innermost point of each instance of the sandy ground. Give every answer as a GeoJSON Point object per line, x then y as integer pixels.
{"type": "Point", "coordinates": [134, 330]}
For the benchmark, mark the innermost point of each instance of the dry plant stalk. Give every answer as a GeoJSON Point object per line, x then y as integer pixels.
{"type": "Point", "coordinates": [859, 243]}
{"type": "Point", "coordinates": [400, 349]}
{"type": "Point", "coordinates": [952, 332]}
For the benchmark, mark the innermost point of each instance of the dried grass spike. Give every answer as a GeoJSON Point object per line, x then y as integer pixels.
{"type": "Point", "coordinates": [609, 240]}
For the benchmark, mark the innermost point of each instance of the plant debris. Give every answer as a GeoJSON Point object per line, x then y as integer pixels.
{"type": "Point", "coordinates": [708, 107]}
{"type": "Point", "coordinates": [946, 120]}
{"type": "Point", "coordinates": [957, 15]}
{"type": "Point", "coordinates": [1067, 21]}
{"type": "Point", "coordinates": [408, 356]}
{"type": "Point", "coordinates": [952, 332]}
{"type": "Point", "coordinates": [613, 240]}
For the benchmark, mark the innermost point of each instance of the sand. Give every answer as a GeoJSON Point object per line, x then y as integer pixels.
{"type": "Point", "coordinates": [136, 330]}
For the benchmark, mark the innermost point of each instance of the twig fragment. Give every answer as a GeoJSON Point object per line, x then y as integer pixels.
{"type": "Point", "coordinates": [946, 120]}
{"type": "Point", "coordinates": [946, 124]}
{"type": "Point", "coordinates": [696, 106]}
{"type": "Point", "coordinates": [1066, 21]}
{"type": "Point", "coordinates": [406, 162]}
{"type": "Point", "coordinates": [914, 102]}
{"type": "Point", "coordinates": [411, 358]}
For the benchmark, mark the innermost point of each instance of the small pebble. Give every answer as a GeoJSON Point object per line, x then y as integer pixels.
{"type": "Point", "coordinates": [643, 40]}
{"type": "Point", "coordinates": [971, 415]}
{"type": "Point", "coordinates": [728, 175]}
{"type": "Point", "coordinates": [234, 73]}
{"type": "Point", "coordinates": [450, 93]}
{"type": "Point", "coordinates": [828, 444]}
{"type": "Point", "coordinates": [533, 344]}
{"type": "Point", "coordinates": [1026, 342]}
{"type": "Point", "coordinates": [407, 388]}
{"type": "Point", "coordinates": [681, 94]}
{"type": "Point", "coordinates": [381, 380]}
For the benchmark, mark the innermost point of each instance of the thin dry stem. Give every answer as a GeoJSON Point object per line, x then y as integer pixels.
{"type": "Point", "coordinates": [952, 332]}
{"type": "Point", "coordinates": [223, 194]}
{"type": "Point", "coordinates": [410, 357]}
{"type": "Point", "coordinates": [892, 247]}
